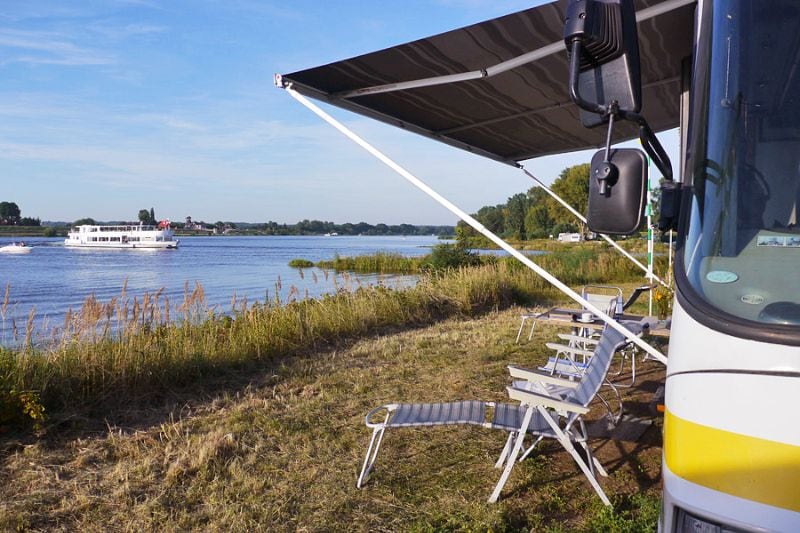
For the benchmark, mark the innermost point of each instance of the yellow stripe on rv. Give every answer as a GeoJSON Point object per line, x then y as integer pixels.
{"type": "Point", "coordinates": [748, 467]}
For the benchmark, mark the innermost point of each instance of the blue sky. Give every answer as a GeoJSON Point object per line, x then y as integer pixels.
{"type": "Point", "coordinates": [111, 106]}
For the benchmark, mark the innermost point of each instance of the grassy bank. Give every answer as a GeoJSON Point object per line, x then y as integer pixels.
{"type": "Point", "coordinates": [573, 261]}
{"type": "Point", "coordinates": [277, 447]}
{"type": "Point", "coordinates": [379, 263]}
{"type": "Point", "coordinates": [109, 352]}
{"type": "Point", "coordinates": [32, 231]}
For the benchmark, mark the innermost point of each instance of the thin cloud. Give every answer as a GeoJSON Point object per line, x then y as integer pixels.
{"type": "Point", "coordinates": [49, 48]}
{"type": "Point", "coordinates": [117, 32]}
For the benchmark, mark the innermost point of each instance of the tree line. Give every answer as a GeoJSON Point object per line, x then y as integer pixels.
{"type": "Point", "coordinates": [534, 214]}
{"type": "Point", "coordinates": [303, 227]}
{"type": "Point", "coordinates": [320, 227]}
{"type": "Point", "coordinates": [11, 215]}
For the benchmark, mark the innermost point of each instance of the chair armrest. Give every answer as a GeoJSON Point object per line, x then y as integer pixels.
{"type": "Point", "coordinates": [577, 338]}
{"type": "Point", "coordinates": [388, 407]}
{"type": "Point", "coordinates": [532, 375]}
{"type": "Point", "coordinates": [636, 293]}
{"type": "Point", "coordinates": [569, 349]}
{"type": "Point", "coordinates": [532, 398]}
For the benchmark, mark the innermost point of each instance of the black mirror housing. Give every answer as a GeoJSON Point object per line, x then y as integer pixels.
{"type": "Point", "coordinates": [609, 64]}
{"type": "Point", "coordinates": [619, 210]}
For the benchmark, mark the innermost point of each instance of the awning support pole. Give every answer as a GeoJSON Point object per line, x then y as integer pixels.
{"type": "Point", "coordinates": [477, 225]}
{"type": "Point", "coordinates": [582, 218]}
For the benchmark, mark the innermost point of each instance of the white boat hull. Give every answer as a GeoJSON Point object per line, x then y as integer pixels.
{"type": "Point", "coordinates": [15, 249]}
{"type": "Point", "coordinates": [171, 245]}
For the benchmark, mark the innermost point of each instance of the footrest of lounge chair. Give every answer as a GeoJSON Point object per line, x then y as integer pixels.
{"type": "Point", "coordinates": [438, 414]}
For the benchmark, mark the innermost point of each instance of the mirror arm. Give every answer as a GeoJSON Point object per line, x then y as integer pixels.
{"type": "Point", "coordinates": [574, 73]}
{"type": "Point", "coordinates": [650, 143]}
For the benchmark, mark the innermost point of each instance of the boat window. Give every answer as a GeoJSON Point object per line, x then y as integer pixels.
{"type": "Point", "coordinates": [742, 249]}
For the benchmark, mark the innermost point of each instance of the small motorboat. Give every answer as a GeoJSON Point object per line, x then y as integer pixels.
{"type": "Point", "coordinates": [15, 248]}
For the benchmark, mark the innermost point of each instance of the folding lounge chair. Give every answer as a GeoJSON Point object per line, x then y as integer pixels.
{"type": "Point", "coordinates": [540, 414]}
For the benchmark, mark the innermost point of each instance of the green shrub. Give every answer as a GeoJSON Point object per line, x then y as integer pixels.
{"type": "Point", "coordinates": [448, 256]}
{"type": "Point", "coordinates": [17, 407]}
{"type": "Point", "coordinates": [301, 263]}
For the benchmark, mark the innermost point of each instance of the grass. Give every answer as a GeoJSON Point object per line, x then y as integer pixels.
{"type": "Point", "coordinates": [128, 347]}
{"type": "Point", "coordinates": [278, 447]}
{"type": "Point", "coordinates": [379, 263]}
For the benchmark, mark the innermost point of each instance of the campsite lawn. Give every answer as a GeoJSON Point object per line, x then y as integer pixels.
{"type": "Point", "coordinates": [278, 448]}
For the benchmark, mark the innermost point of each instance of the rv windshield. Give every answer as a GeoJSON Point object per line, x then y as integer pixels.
{"type": "Point", "coordinates": [742, 250]}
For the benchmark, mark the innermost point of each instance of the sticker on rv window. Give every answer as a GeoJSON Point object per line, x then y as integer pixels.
{"type": "Point", "coordinates": [722, 276]}
{"type": "Point", "coordinates": [753, 299]}
{"type": "Point", "coordinates": [771, 240]}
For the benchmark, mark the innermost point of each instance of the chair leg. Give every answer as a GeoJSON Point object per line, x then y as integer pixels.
{"type": "Point", "coordinates": [585, 469]}
{"type": "Point", "coordinates": [369, 462]}
{"type": "Point", "coordinates": [594, 464]}
{"type": "Point", "coordinates": [514, 453]}
{"type": "Point", "coordinates": [567, 444]}
{"type": "Point", "coordinates": [530, 449]}
{"type": "Point", "coordinates": [507, 448]}
{"type": "Point", "coordinates": [530, 333]}
{"type": "Point", "coordinates": [521, 327]}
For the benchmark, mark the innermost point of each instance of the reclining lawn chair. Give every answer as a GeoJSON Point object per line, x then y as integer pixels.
{"type": "Point", "coordinates": [551, 408]}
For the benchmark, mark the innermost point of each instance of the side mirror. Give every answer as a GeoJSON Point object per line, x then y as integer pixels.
{"type": "Point", "coordinates": [617, 209]}
{"type": "Point", "coordinates": [606, 71]}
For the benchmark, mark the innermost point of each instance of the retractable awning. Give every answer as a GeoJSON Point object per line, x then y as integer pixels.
{"type": "Point", "coordinates": [499, 88]}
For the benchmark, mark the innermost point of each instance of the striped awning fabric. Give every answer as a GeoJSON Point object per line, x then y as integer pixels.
{"type": "Point", "coordinates": [519, 114]}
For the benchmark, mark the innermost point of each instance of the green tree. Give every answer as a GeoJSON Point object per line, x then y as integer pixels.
{"type": "Point", "coordinates": [152, 216]}
{"type": "Point", "coordinates": [516, 209]}
{"type": "Point", "coordinates": [144, 216]}
{"type": "Point", "coordinates": [492, 217]}
{"type": "Point", "coordinates": [573, 186]}
{"type": "Point", "coordinates": [30, 221]}
{"type": "Point", "coordinates": [9, 213]}
{"type": "Point", "coordinates": [538, 222]}
{"type": "Point", "coordinates": [85, 222]}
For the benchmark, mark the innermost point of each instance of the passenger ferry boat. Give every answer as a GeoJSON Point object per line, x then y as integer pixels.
{"type": "Point", "coordinates": [123, 236]}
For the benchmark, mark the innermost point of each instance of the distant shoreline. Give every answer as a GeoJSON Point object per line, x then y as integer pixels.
{"type": "Point", "coordinates": [61, 231]}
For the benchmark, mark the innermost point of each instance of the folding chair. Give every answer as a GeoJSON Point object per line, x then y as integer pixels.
{"type": "Point", "coordinates": [554, 408]}
{"type": "Point", "coordinates": [564, 397]}
{"type": "Point", "coordinates": [610, 304]}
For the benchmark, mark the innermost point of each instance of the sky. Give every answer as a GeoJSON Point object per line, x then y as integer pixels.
{"type": "Point", "coordinates": [112, 106]}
